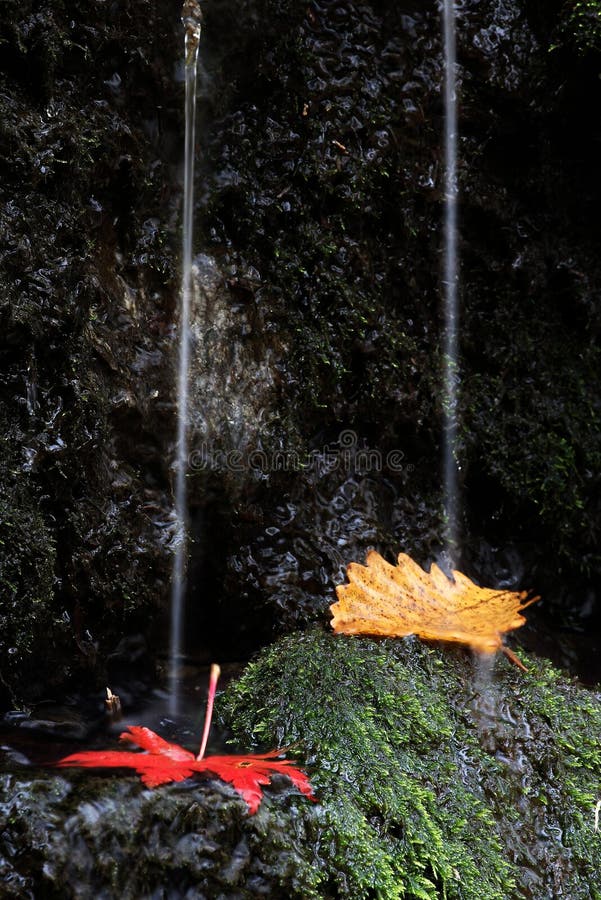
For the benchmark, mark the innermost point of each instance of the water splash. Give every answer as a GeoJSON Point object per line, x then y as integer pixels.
{"type": "Point", "coordinates": [451, 293]}
{"type": "Point", "coordinates": [192, 19]}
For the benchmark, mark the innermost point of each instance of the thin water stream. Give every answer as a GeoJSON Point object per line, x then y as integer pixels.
{"type": "Point", "coordinates": [450, 284]}
{"type": "Point", "coordinates": [191, 18]}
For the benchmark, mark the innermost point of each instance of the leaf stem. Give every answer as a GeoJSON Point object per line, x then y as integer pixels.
{"type": "Point", "coordinates": [514, 659]}
{"type": "Point", "coordinates": [214, 678]}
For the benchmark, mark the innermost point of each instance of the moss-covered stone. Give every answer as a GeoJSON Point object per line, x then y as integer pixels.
{"type": "Point", "coordinates": [436, 777]}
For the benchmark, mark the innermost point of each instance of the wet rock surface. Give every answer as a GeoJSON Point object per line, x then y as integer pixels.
{"type": "Point", "coordinates": [85, 840]}
{"type": "Point", "coordinates": [321, 197]}
{"type": "Point", "coordinates": [318, 210]}
{"type": "Point", "coordinates": [85, 312]}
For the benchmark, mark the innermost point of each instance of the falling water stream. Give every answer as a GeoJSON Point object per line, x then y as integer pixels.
{"type": "Point", "coordinates": [191, 18]}
{"type": "Point", "coordinates": [450, 284]}
{"type": "Point", "coordinates": [484, 709]}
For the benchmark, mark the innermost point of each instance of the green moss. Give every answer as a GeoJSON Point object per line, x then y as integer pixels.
{"type": "Point", "coordinates": [581, 25]}
{"type": "Point", "coordinates": [385, 749]}
{"type": "Point", "coordinates": [426, 771]}
{"type": "Point", "coordinates": [539, 444]}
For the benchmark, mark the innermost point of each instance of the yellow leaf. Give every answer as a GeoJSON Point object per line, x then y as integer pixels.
{"type": "Point", "coordinates": [393, 601]}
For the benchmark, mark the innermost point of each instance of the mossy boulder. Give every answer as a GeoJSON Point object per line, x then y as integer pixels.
{"type": "Point", "coordinates": [437, 776]}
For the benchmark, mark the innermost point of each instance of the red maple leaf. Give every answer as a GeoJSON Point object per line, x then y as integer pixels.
{"type": "Point", "coordinates": [163, 762]}
{"type": "Point", "coordinates": [247, 773]}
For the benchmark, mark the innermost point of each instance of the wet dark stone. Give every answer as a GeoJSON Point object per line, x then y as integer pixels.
{"type": "Point", "coordinates": [319, 204]}
{"type": "Point", "coordinates": [86, 268]}
{"type": "Point", "coordinates": [322, 173]}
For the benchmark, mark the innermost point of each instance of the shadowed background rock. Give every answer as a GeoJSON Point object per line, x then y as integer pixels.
{"type": "Point", "coordinates": [319, 209]}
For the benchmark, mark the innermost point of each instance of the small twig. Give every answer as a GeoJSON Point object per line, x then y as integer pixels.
{"type": "Point", "coordinates": [340, 146]}
{"type": "Point", "coordinates": [214, 678]}
{"type": "Point", "coordinates": [112, 705]}
{"type": "Point", "coordinates": [513, 658]}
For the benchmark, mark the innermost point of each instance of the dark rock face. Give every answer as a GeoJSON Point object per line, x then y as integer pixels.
{"type": "Point", "coordinates": [531, 286]}
{"type": "Point", "coordinates": [322, 200]}
{"type": "Point", "coordinates": [319, 209]}
{"type": "Point", "coordinates": [85, 306]}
